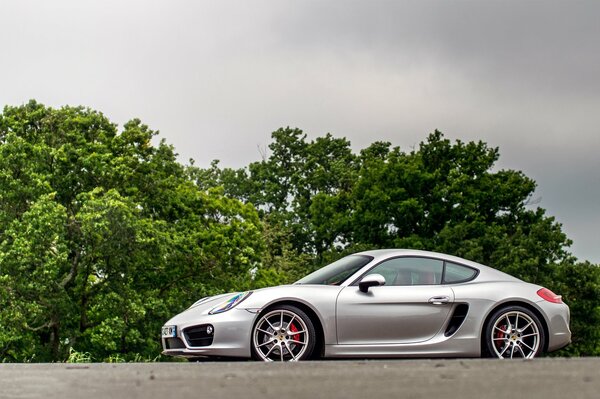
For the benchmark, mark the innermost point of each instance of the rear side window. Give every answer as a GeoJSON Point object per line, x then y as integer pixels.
{"type": "Point", "coordinates": [455, 273]}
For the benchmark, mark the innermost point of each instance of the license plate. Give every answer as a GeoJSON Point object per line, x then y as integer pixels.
{"type": "Point", "coordinates": [169, 331]}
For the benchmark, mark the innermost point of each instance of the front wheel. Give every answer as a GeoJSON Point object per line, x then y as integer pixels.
{"type": "Point", "coordinates": [514, 332]}
{"type": "Point", "coordinates": [284, 333]}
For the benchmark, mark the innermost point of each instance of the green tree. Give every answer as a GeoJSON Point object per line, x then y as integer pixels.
{"type": "Point", "coordinates": [446, 197]}
{"type": "Point", "coordinates": [443, 196]}
{"type": "Point", "coordinates": [302, 186]}
{"type": "Point", "coordinates": [579, 284]}
{"type": "Point", "coordinates": [104, 236]}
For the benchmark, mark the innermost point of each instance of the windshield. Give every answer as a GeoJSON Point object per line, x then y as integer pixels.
{"type": "Point", "coordinates": [336, 272]}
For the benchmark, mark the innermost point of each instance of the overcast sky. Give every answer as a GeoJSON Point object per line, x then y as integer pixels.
{"type": "Point", "coordinates": [217, 77]}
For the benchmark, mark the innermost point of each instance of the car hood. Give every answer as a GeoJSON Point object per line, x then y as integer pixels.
{"type": "Point", "coordinates": [315, 296]}
{"type": "Point", "coordinates": [302, 293]}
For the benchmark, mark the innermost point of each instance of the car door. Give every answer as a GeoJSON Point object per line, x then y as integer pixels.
{"type": "Point", "coordinates": [411, 307]}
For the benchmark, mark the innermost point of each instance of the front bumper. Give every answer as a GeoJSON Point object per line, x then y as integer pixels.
{"type": "Point", "coordinates": [231, 335]}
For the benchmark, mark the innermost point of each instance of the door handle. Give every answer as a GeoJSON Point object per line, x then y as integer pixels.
{"type": "Point", "coordinates": [439, 300]}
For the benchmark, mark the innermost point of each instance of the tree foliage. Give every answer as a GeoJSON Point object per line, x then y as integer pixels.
{"type": "Point", "coordinates": [579, 283]}
{"type": "Point", "coordinates": [104, 235]}
{"type": "Point", "coordinates": [442, 196]}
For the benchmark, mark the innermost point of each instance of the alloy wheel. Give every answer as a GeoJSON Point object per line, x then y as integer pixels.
{"type": "Point", "coordinates": [515, 334]}
{"type": "Point", "coordinates": [281, 335]}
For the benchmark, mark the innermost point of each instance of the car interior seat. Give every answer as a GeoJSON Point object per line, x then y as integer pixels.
{"type": "Point", "coordinates": [403, 277]}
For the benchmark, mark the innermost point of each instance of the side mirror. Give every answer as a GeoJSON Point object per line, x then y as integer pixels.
{"type": "Point", "coordinates": [372, 280]}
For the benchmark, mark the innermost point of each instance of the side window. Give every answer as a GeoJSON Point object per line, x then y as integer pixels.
{"type": "Point", "coordinates": [410, 271]}
{"type": "Point", "coordinates": [458, 273]}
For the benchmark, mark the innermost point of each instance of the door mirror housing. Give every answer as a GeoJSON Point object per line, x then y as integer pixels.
{"type": "Point", "coordinates": [372, 280]}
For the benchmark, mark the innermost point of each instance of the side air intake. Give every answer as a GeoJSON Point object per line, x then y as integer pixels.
{"type": "Point", "coordinates": [458, 317]}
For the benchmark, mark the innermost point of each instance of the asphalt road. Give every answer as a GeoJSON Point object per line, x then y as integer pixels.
{"type": "Point", "coordinates": [432, 379]}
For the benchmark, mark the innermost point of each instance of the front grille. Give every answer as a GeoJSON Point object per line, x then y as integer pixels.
{"type": "Point", "coordinates": [198, 336]}
{"type": "Point", "coordinates": [174, 343]}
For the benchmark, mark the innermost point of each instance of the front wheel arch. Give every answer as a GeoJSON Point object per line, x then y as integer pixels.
{"type": "Point", "coordinates": [319, 350]}
{"type": "Point", "coordinates": [319, 346]}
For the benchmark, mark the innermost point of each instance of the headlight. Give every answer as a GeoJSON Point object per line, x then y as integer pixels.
{"type": "Point", "coordinates": [230, 303]}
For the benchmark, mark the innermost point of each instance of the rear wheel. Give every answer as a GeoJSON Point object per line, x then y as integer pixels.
{"type": "Point", "coordinates": [284, 333]}
{"type": "Point", "coordinates": [514, 332]}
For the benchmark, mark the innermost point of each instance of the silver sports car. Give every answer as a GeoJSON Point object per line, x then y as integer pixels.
{"type": "Point", "coordinates": [382, 303]}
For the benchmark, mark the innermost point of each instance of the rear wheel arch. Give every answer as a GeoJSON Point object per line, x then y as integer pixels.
{"type": "Point", "coordinates": [526, 305]}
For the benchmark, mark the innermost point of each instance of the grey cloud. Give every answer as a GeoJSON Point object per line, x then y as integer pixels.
{"type": "Point", "coordinates": [216, 77]}
{"type": "Point", "coordinates": [546, 43]}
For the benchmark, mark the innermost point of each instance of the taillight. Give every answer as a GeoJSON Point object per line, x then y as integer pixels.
{"type": "Point", "coordinates": [549, 296]}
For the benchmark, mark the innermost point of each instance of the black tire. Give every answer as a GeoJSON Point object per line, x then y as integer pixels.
{"type": "Point", "coordinates": [294, 343]}
{"type": "Point", "coordinates": [503, 340]}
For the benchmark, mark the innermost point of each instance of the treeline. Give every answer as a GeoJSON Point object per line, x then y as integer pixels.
{"type": "Point", "coordinates": [105, 235]}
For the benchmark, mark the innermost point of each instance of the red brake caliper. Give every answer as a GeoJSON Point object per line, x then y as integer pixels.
{"type": "Point", "coordinates": [295, 337]}
{"type": "Point", "coordinates": [500, 334]}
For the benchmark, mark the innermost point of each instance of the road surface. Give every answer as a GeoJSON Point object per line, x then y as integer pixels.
{"type": "Point", "coordinates": [432, 379]}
